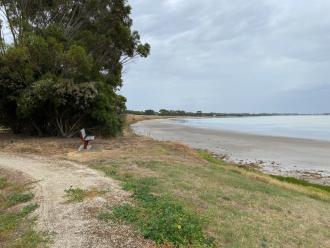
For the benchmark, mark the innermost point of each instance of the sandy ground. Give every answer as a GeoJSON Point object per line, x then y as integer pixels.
{"type": "Point", "coordinates": [309, 159]}
{"type": "Point", "coordinates": [73, 224]}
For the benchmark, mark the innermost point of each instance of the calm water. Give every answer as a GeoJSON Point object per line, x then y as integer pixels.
{"type": "Point", "coordinates": [311, 127]}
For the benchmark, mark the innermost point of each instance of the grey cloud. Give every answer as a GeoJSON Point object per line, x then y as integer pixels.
{"type": "Point", "coordinates": [313, 99]}
{"type": "Point", "coordinates": [231, 55]}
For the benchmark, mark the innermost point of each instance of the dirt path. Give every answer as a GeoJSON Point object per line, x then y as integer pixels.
{"type": "Point", "coordinates": [73, 224]}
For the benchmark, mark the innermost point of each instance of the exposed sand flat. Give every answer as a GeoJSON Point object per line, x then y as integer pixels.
{"type": "Point", "coordinates": [290, 156]}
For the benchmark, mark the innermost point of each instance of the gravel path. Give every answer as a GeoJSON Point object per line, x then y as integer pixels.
{"type": "Point", "coordinates": [73, 224]}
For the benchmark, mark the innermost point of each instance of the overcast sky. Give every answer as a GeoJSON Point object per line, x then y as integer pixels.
{"type": "Point", "coordinates": [232, 56]}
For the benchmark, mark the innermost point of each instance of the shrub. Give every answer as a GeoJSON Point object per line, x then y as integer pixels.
{"type": "Point", "coordinates": [64, 68]}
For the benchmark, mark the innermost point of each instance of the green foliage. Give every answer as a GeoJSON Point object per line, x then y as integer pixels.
{"type": "Point", "coordinates": [149, 112]}
{"type": "Point", "coordinates": [108, 110]}
{"type": "Point", "coordinates": [64, 70]}
{"type": "Point", "coordinates": [126, 212]}
{"type": "Point", "coordinates": [75, 194]}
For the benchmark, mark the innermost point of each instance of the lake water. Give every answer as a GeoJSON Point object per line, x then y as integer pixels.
{"type": "Point", "coordinates": [310, 127]}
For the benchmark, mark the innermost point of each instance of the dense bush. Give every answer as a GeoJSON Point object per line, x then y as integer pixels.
{"type": "Point", "coordinates": [63, 68]}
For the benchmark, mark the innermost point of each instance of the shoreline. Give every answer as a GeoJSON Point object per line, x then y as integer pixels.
{"type": "Point", "coordinates": [297, 157]}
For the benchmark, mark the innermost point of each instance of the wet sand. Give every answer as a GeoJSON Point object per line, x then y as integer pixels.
{"type": "Point", "coordinates": [304, 158]}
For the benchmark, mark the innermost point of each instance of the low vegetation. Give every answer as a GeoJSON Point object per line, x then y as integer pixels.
{"type": "Point", "coordinates": [297, 181]}
{"type": "Point", "coordinates": [227, 205]}
{"type": "Point", "coordinates": [78, 195]}
{"type": "Point", "coordinates": [158, 217]}
{"type": "Point", "coordinates": [75, 194]}
{"type": "Point", "coordinates": [16, 224]}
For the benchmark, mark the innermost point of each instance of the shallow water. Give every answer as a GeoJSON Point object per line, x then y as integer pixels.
{"type": "Point", "coordinates": [310, 127]}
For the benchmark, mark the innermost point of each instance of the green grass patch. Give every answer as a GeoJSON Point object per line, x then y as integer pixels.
{"type": "Point", "coordinates": [209, 157]}
{"type": "Point", "coordinates": [164, 220]}
{"type": "Point", "coordinates": [110, 171]}
{"type": "Point", "coordinates": [16, 198]}
{"type": "Point", "coordinates": [302, 182]}
{"type": "Point", "coordinates": [30, 239]}
{"type": "Point", "coordinates": [126, 212]}
{"type": "Point", "coordinates": [157, 216]}
{"type": "Point", "coordinates": [75, 194]}
{"type": "Point", "coordinates": [11, 220]}
{"type": "Point", "coordinates": [78, 195]}
{"type": "Point", "coordinates": [239, 169]}
{"type": "Point", "coordinates": [16, 226]}
{"type": "Point", "coordinates": [29, 209]}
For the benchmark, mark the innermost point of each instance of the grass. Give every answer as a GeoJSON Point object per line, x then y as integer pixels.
{"type": "Point", "coordinates": [78, 194]}
{"type": "Point", "coordinates": [297, 181]}
{"type": "Point", "coordinates": [210, 158]}
{"type": "Point", "coordinates": [16, 227]}
{"type": "Point", "coordinates": [316, 191]}
{"type": "Point", "coordinates": [3, 182]}
{"type": "Point", "coordinates": [16, 198]}
{"type": "Point", "coordinates": [75, 194]}
{"type": "Point", "coordinates": [237, 207]}
{"type": "Point", "coordinates": [158, 217]}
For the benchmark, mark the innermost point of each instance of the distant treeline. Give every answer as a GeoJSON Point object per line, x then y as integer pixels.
{"type": "Point", "coordinates": [166, 112]}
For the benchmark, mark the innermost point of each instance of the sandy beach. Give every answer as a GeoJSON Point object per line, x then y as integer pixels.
{"type": "Point", "coordinates": [304, 158]}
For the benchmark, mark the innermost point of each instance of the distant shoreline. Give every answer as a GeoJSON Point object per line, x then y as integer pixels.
{"type": "Point", "coordinates": [181, 113]}
{"type": "Point", "coordinates": [298, 157]}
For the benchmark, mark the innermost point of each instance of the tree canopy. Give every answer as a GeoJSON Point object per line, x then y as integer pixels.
{"type": "Point", "coordinates": [63, 69]}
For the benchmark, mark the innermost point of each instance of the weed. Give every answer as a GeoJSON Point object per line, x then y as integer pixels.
{"type": "Point", "coordinates": [126, 212]}
{"type": "Point", "coordinates": [16, 198]}
{"type": "Point", "coordinates": [75, 194]}
{"type": "Point", "coordinates": [169, 221]}
{"type": "Point", "coordinates": [29, 209]}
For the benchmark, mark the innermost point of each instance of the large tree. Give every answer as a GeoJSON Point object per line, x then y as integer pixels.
{"type": "Point", "coordinates": [63, 68]}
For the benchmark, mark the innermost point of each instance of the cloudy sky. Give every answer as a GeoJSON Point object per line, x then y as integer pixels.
{"type": "Point", "coordinates": [232, 56]}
